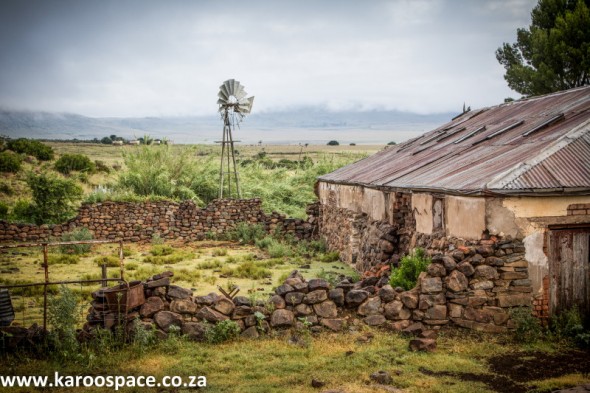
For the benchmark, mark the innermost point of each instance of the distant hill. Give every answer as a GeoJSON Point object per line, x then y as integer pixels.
{"type": "Point", "coordinates": [305, 125]}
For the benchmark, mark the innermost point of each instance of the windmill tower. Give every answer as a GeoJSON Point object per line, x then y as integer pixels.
{"type": "Point", "coordinates": [233, 105]}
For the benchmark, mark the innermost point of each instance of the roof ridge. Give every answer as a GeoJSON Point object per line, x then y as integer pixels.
{"type": "Point", "coordinates": [512, 174]}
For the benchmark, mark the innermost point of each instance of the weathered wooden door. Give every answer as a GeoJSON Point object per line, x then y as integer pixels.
{"type": "Point", "coordinates": [570, 270]}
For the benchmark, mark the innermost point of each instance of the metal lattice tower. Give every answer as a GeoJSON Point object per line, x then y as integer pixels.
{"type": "Point", "coordinates": [233, 106]}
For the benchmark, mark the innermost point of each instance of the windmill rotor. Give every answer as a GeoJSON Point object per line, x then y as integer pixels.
{"type": "Point", "coordinates": [233, 104]}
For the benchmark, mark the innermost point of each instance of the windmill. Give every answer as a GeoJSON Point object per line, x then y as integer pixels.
{"type": "Point", "coordinates": [233, 105]}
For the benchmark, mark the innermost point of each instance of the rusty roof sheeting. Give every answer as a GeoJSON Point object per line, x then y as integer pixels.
{"type": "Point", "coordinates": [485, 151]}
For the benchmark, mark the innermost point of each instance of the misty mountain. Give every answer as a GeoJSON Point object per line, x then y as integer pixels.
{"type": "Point", "coordinates": [305, 125]}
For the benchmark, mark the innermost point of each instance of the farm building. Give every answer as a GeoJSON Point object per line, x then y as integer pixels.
{"type": "Point", "coordinates": [519, 170]}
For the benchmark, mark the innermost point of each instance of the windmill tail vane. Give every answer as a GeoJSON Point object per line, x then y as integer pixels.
{"type": "Point", "coordinates": [233, 105]}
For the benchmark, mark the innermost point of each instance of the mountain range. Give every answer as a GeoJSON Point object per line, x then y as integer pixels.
{"type": "Point", "coordinates": [303, 125]}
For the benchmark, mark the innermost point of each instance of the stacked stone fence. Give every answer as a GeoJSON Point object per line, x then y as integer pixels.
{"type": "Point", "coordinates": [181, 221]}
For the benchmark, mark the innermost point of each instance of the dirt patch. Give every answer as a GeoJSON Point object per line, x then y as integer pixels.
{"type": "Point", "coordinates": [530, 366]}
{"type": "Point", "coordinates": [513, 372]}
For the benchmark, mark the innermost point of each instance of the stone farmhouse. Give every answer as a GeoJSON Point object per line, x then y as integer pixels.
{"type": "Point", "coordinates": [515, 172]}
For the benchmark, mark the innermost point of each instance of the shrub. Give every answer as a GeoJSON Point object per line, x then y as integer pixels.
{"type": "Point", "coordinates": [100, 166]}
{"type": "Point", "coordinates": [169, 259]}
{"type": "Point", "coordinates": [22, 211]}
{"type": "Point", "coordinates": [109, 260]}
{"type": "Point", "coordinates": [331, 256]}
{"type": "Point", "coordinates": [392, 143]}
{"type": "Point", "coordinates": [161, 250]}
{"type": "Point", "coordinates": [410, 267]}
{"type": "Point", "coordinates": [246, 233]}
{"type": "Point", "coordinates": [10, 162]}
{"type": "Point", "coordinates": [222, 331]}
{"type": "Point", "coordinates": [333, 143]}
{"type": "Point", "coordinates": [528, 328]}
{"type": "Point", "coordinates": [210, 264]}
{"type": "Point", "coordinates": [31, 147]}
{"type": "Point", "coordinates": [62, 259]}
{"type": "Point", "coordinates": [53, 198]}
{"type": "Point", "coordinates": [569, 325]}
{"type": "Point", "coordinates": [247, 270]}
{"type": "Point", "coordinates": [6, 189]}
{"type": "Point", "coordinates": [3, 210]}
{"type": "Point", "coordinates": [74, 162]}
{"type": "Point", "coordinates": [77, 234]}
{"type": "Point", "coordinates": [62, 315]}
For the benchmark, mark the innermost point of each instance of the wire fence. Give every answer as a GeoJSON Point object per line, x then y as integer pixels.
{"type": "Point", "coordinates": [29, 301]}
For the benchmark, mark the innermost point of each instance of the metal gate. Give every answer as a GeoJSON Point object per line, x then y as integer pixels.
{"type": "Point", "coordinates": [569, 269]}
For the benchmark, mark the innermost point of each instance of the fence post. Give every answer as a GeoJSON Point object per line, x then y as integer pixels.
{"type": "Point", "coordinates": [46, 268]}
{"type": "Point", "coordinates": [121, 259]}
{"type": "Point", "coordinates": [103, 274]}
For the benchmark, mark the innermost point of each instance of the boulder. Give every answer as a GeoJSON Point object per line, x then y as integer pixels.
{"type": "Point", "coordinates": [183, 306]}
{"type": "Point", "coordinates": [486, 272]}
{"type": "Point", "coordinates": [195, 331]}
{"type": "Point", "coordinates": [375, 320]}
{"type": "Point", "coordinates": [284, 289]}
{"type": "Point", "coordinates": [162, 282]}
{"type": "Point", "coordinates": [456, 281]}
{"type": "Point", "coordinates": [337, 296]}
{"type": "Point", "coordinates": [449, 263]}
{"type": "Point", "coordinates": [316, 296]}
{"type": "Point", "coordinates": [277, 301]}
{"type": "Point", "coordinates": [437, 312]}
{"type": "Point", "coordinates": [356, 297]}
{"type": "Point", "coordinates": [318, 283]}
{"type": "Point", "coordinates": [423, 344]}
{"type": "Point", "coordinates": [152, 305]}
{"type": "Point", "coordinates": [410, 299]}
{"type": "Point", "coordinates": [165, 319]}
{"type": "Point", "coordinates": [176, 292]}
{"type": "Point", "coordinates": [241, 301]}
{"type": "Point", "coordinates": [392, 309]}
{"type": "Point", "coordinates": [294, 298]}
{"type": "Point", "coordinates": [431, 285]}
{"type": "Point", "coordinates": [436, 270]}
{"type": "Point", "coordinates": [335, 325]}
{"type": "Point", "coordinates": [224, 306]}
{"type": "Point", "coordinates": [206, 300]}
{"type": "Point", "coordinates": [282, 318]}
{"type": "Point", "coordinates": [208, 314]}
{"type": "Point", "coordinates": [387, 293]}
{"type": "Point", "coordinates": [326, 309]}
{"type": "Point", "coordinates": [303, 310]}
{"type": "Point", "coordinates": [370, 306]}
{"type": "Point", "coordinates": [251, 332]}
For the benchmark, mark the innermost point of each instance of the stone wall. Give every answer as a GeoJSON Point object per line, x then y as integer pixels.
{"type": "Point", "coordinates": [140, 221]}
{"type": "Point", "coordinates": [468, 284]}
{"type": "Point", "coordinates": [364, 242]}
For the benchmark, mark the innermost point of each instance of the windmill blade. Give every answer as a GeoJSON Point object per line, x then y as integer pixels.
{"type": "Point", "coordinates": [221, 101]}
{"type": "Point", "coordinates": [229, 87]}
{"type": "Point", "coordinates": [245, 106]}
{"type": "Point", "coordinates": [223, 96]}
{"type": "Point", "coordinates": [240, 93]}
{"type": "Point", "coordinates": [223, 89]}
{"type": "Point", "coordinates": [235, 86]}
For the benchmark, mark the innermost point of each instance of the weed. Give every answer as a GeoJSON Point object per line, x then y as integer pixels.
{"type": "Point", "coordinates": [410, 267]}
{"type": "Point", "coordinates": [175, 257]}
{"type": "Point", "coordinates": [131, 266]}
{"type": "Point", "coordinates": [222, 331]}
{"type": "Point", "coordinates": [569, 325]}
{"type": "Point", "coordinates": [161, 250]}
{"type": "Point", "coordinates": [210, 264]}
{"type": "Point", "coordinates": [62, 259]}
{"type": "Point", "coordinates": [331, 256]}
{"type": "Point", "coordinates": [528, 328]}
{"type": "Point", "coordinates": [246, 233]}
{"type": "Point", "coordinates": [247, 270]}
{"type": "Point", "coordinates": [219, 252]}
{"type": "Point", "coordinates": [144, 337]}
{"type": "Point", "coordinates": [77, 234]}
{"type": "Point", "coordinates": [109, 260]}
{"type": "Point", "coordinates": [156, 239]}
{"type": "Point", "coordinates": [62, 316]}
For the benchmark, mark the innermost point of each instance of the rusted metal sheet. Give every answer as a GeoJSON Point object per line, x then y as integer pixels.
{"type": "Point", "coordinates": [535, 145]}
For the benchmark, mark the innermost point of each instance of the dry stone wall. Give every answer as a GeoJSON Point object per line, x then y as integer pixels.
{"type": "Point", "coordinates": [184, 221]}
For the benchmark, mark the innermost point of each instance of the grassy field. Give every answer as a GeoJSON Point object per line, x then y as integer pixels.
{"type": "Point", "coordinates": [288, 361]}
{"type": "Point", "coordinates": [200, 266]}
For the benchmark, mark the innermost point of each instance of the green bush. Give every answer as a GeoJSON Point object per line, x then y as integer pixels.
{"type": "Point", "coordinates": [62, 315]}
{"type": "Point", "coordinates": [100, 166]}
{"type": "Point", "coordinates": [6, 189]}
{"type": "Point", "coordinates": [410, 267]}
{"type": "Point", "coordinates": [331, 256]}
{"type": "Point", "coordinates": [10, 162]}
{"type": "Point", "coordinates": [246, 233]}
{"type": "Point", "coordinates": [569, 325]}
{"type": "Point", "coordinates": [62, 259]}
{"type": "Point", "coordinates": [53, 198]}
{"type": "Point", "coordinates": [333, 143]}
{"type": "Point", "coordinates": [247, 270]}
{"type": "Point", "coordinates": [222, 331]}
{"type": "Point", "coordinates": [3, 211]}
{"type": "Point", "coordinates": [109, 260]}
{"type": "Point", "coordinates": [161, 250]}
{"type": "Point", "coordinates": [31, 147]}
{"type": "Point", "coordinates": [77, 234]}
{"type": "Point", "coordinates": [21, 211]}
{"type": "Point", "coordinates": [528, 328]}
{"type": "Point", "coordinates": [74, 162]}
{"type": "Point", "coordinates": [170, 259]}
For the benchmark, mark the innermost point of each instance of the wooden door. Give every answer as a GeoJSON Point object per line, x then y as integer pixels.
{"type": "Point", "coordinates": [570, 270]}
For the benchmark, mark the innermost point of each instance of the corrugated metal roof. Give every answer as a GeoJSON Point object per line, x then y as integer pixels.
{"type": "Point", "coordinates": [539, 145]}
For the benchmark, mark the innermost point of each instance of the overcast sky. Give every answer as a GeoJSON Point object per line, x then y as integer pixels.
{"type": "Point", "coordinates": [154, 58]}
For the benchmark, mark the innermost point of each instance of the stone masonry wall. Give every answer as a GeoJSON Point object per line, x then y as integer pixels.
{"type": "Point", "coordinates": [140, 221]}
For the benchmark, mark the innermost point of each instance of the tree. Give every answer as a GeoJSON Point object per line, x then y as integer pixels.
{"type": "Point", "coordinates": [333, 143]}
{"type": "Point", "coordinates": [553, 54]}
{"type": "Point", "coordinates": [53, 198]}
{"type": "Point", "coordinates": [106, 141]}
